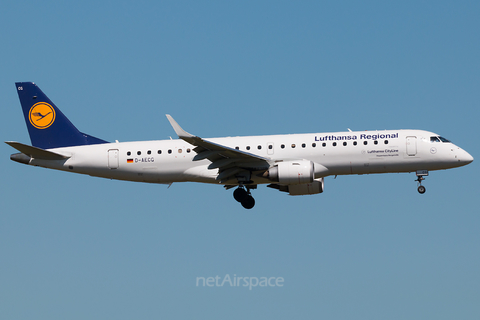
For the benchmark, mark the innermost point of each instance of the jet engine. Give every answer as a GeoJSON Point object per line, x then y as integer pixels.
{"type": "Point", "coordinates": [292, 172]}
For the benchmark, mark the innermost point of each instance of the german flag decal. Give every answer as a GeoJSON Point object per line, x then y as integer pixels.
{"type": "Point", "coordinates": [129, 160]}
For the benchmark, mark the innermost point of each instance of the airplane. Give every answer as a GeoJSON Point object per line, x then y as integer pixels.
{"type": "Point", "coordinates": [294, 163]}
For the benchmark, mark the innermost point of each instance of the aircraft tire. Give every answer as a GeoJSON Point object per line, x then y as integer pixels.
{"type": "Point", "coordinates": [248, 202]}
{"type": "Point", "coordinates": [240, 194]}
{"type": "Point", "coordinates": [421, 189]}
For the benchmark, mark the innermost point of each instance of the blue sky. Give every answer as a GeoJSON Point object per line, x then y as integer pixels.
{"type": "Point", "coordinates": [369, 247]}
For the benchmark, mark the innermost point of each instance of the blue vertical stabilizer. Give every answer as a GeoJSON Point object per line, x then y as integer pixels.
{"type": "Point", "coordinates": [47, 125]}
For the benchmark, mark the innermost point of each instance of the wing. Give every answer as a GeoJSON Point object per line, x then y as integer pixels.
{"type": "Point", "coordinates": [231, 163]}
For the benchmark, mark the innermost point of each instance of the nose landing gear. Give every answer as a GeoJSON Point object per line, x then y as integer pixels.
{"type": "Point", "coordinates": [421, 189]}
{"type": "Point", "coordinates": [244, 197]}
{"type": "Point", "coordinates": [421, 174]}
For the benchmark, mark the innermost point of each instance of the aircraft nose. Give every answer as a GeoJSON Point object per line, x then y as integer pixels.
{"type": "Point", "coordinates": [464, 157]}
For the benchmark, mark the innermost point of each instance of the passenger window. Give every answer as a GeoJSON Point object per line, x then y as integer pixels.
{"type": "Point", "coordinates": [314, 144]}
{"type": "Point", "coordinates": [334, 144]}
{"type": "Point", "coordinates": [303, 145]}
{"type": "Point", "coordinates": [365, 142]}
{"type": "Point", "coordinates": [293, 145]}
{"type": "Point", "coordinates": [282, 146]}
{"type": "Point", "coordinates": [324, 144]}
{"type": "Point", "coordinates": [139, 152]}
{"type": "Point", "coordinates": [188, 150]}
{"type": "Point", "coordinates": [270, 146]}
{"type": "Point", "coordinates": [179, 150]}
{"type": "Point", "coordinates": [238, 148]}
{"type": "Point", "coordinates": [129, 153]}
{"type": "Point", "coordinates": [354, 143]}
{"type": "Point", "coordinates": [159, 151]}
{"type": "Point", "coordinates": [375, 142]}
{"type": "Point", "coordinates": [386, 141]}
{"type": "Point", "coordinates": [259, 147]}
{"type": "Point", "coordinates": [169, 151]}
{"type": "Point", "coordinates": [344, 144]}
{"type": "Point", "coordinates": [248, 147]}
{"type": "Point", "coordinates": [149, 152]}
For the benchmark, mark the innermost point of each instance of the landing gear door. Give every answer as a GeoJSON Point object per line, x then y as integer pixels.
{"type": "Point", "coordinates": [411, 146]}
{"type": "Point", "coordinates": [113, 158]}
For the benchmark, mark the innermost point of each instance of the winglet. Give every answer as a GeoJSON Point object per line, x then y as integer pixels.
{"type": "Point", "coordinates": [178, 130]}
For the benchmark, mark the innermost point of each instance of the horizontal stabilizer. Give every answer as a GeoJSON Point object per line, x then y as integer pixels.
{"type": "Point", "coordinates": [35, 152]}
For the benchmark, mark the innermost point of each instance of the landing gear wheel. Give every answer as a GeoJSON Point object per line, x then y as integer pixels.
{"type": "Point", "coordinates": [248, 202]}
{"type": "Point", "coordinates": [240, 194]}
{"type": "Point", "coordinates": [421, 189]}
{"type": "Point", "coordinates": [420, 177]}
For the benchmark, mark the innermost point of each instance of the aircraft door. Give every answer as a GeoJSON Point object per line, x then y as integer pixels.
{"type": "Point", "coordinates": [113, 158]}
{"type": "Point", "coordinates": [270, 148]}
{"type": "Point", "coordinates": [411, 146]}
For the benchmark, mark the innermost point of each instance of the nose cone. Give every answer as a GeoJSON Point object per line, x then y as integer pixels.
{"type": "Point", "coordinates": [464, 157]}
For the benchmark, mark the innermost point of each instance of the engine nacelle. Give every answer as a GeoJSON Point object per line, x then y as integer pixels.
{"type": "Point", "coordinates": [307, 188]}
{"type": "Point", "coordinates": [292, 172]}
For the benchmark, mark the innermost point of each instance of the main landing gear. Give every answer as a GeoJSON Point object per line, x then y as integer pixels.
{"type": "Point", "coordinates": [420, 177]}
{"type": "Point", "coordinates": [244, 196]}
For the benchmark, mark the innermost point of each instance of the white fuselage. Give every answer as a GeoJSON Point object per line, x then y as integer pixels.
{"type": "Point", "coordinates": [341, 153]}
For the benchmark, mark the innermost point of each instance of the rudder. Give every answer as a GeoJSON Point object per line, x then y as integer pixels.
{"type": "Point", "coordinates": [47, 126]}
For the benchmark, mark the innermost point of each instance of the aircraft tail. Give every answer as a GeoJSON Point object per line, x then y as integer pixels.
{"type": "Point", "coordinates": [47, 125]}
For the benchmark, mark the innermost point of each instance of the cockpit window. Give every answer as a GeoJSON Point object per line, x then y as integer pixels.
{"type": "Point", "coordinates": [438, 139]}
